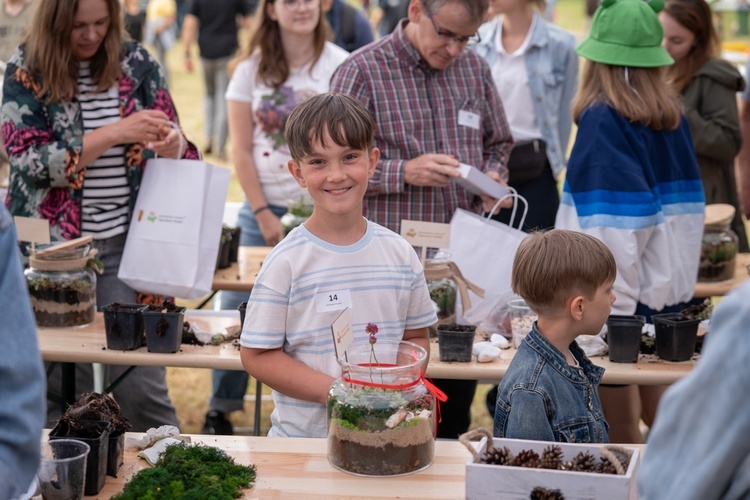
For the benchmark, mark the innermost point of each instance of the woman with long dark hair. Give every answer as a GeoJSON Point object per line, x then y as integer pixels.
{"type": "Point", "coordinates": [708, 87]}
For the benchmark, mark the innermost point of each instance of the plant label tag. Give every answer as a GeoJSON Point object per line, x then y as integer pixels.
{"type": "Point", "coordinates": [343, 335]}
{"type": "Point", "coordinates": [426, 234]}
{"type": "Point", "coordinates": [32, 230]}
{"type": "Point", "coordinates": [335, 300]}
{"type": "Point", "coordinates": [468, 119]}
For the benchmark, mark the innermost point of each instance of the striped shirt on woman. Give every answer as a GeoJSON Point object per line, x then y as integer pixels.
{"type": "Point", "coordinates": [106, 194]}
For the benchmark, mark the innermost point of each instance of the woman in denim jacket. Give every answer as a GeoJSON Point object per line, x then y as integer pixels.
{"type": "Point", "coordinates": [535, 68]}
{"type": "Point", "coordinates": [549, 392]}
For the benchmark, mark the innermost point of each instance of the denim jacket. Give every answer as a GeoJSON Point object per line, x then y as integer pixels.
{"type": "Point", "coordinates": [552, 67]}
{"type": "Point", "coordinates": [22, 380]}
{"type": "Point", "coordinates": [543, 398]}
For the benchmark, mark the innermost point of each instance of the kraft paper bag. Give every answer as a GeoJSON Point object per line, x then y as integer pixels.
{"type": "Point", "coordinates": [484, 249]}
{"type": "Point", "coordinates": [175, 231]}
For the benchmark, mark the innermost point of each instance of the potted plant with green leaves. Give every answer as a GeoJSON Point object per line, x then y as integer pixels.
{"type": "Point", "coordinates": [297, 213]}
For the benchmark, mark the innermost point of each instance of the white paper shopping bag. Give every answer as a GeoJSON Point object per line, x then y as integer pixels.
{"type": "Point", "coordinates": [175, 231]}
{"type": "Point", "coordinates": [484, 249]}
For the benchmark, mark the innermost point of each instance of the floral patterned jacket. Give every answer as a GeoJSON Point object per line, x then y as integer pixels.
{"type": "Point", "coordinates": [44, 140]}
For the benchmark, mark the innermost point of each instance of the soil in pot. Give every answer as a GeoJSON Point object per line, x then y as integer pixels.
{"type": "Point", "coordinates": [93, 406]}
{"type": "Point", "coordinates": [676, 336]}
{"type": "Point", "coordinates": [123, 325]}
{"type": "Point", "coordinates": [63, 304]}
{"type": "Point", "coordinates": [624, 338]}
{"type": "Point", "coordinates": [164, 326]}
{"type": "Point", "coordinates": [455, 341]}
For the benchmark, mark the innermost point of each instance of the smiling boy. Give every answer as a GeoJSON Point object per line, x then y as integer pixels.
{"type": "Point", "coordinates": [336, 259]}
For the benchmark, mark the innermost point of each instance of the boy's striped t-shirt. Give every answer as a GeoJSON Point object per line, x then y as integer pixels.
{"type": "Point", "coordinates": [379, 277]}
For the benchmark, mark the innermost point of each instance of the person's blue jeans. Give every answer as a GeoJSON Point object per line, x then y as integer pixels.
{"type": "Point", "coordinates": [229, 386]}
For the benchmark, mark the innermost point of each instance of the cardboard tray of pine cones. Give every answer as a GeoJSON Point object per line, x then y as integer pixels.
{"type": "Point", "coordinates": [515, 468]}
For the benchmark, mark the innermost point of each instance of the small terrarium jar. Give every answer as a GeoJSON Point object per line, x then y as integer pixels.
{"type": "Point", "coordinates": [297, 213]}
{"type": "Point", "coordinates": [442, 287]}
{"type": "Point", "coordinates": [381, 416]}
{"type": "Point", "coordinates": [62, 284]}
{"type": "Point", "coordinates": [719, 246]}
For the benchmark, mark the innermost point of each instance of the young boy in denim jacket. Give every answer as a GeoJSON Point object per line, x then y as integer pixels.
{"type": "Point", "coordinates": [549, 392]}
{"type": "Point", "coordinates": [336, 259]}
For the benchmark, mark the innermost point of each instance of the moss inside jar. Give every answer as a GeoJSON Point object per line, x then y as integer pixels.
{"type": "Point", "coordinates": [719, 246]}
{"type": "Point", "coordinates": [381, 417]}
{"type": "Point", "coordinates": [62, 284]}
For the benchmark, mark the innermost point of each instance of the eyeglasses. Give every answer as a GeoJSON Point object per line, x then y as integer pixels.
{"type": "Point", "coordinates": [449, 37]}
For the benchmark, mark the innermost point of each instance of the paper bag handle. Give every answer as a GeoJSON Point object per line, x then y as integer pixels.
{"type": "Point", "coordinates": [513, 194]}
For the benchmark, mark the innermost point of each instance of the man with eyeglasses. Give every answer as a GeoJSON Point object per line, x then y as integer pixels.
{"type": "Point", "coordinates": [435, 105]}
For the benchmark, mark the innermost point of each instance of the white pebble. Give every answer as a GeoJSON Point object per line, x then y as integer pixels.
{"type": "Point", "coordinates": [478, 346]}
{"type": "Point", "coordinates": [489, 353]}
{"type": "Point", "coordinates": [499, 341]}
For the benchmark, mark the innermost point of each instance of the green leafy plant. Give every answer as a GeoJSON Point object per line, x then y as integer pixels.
{"type": "Point", "coordinates": [190, 472]}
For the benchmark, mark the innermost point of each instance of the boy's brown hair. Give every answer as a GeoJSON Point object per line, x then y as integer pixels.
{"type": "Point", "coordinates": [347, 121]}
{"type": "Point", "coordinates": [551, 267]}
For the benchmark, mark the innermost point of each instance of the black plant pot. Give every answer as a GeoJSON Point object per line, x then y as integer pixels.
{"type": "Point", "coordinates": [123, 324]}
{"type": "Point", "coordinates": [96, 460]}
{"type": "Point", "coordinates": [164, 329]}
{"type": "Point", "coordinates": [675, 336]}
{"type": "Point", "coordinates": [234, 244]}
{"type": "Point", "coordinates": [455, 342]}
{"type": "Point", "coordinates": [624, 338]}
{"type": "Point", "coordinates": [115, 453]}
{"type": "Point", "coordinates": [242, 307]}
{"type": "Point", "coordinates": [222, 258]}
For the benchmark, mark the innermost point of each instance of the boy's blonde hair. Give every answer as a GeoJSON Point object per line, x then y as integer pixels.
{"type": "Point", "coordinates": [345, 119]}
{"type": "Point", "coordinates": [551, 267]}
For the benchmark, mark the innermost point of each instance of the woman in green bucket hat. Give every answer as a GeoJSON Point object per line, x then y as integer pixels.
{"type": "Point", "coordinates": [633, 180]}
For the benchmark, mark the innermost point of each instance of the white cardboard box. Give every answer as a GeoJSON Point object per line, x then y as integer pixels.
{"type": "Point", "coordinates": [485, 481]}
{"type": "Point", "coordinates": [477, 182]}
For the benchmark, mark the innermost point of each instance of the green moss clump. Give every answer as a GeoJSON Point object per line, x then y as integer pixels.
{"type": "Point", "coordinates": [190, 472]}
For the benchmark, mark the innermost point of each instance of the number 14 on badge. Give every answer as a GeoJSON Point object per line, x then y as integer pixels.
{"type": "Point", "coordinates": [343, 335]}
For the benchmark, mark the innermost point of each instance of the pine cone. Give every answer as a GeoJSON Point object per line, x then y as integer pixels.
{"type": "Point", "coordinates": [552, 457]}
{"type": "Point", "coordinates": [584, 462]}
{"type": "Point", "coordinates": [540, 493]}
{"type": "Point", "coordinates": [606, 467]}
{"type": "Point", "coordinates": [527, 458]}
{"type": "Point", "coordinates": [497, 456]}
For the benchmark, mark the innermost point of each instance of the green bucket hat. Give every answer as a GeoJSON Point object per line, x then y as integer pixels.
{"type": "Point", "coordinates": [626, 33]}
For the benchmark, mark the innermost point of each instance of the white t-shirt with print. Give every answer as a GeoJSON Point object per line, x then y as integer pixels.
{"type": "Point", "coordinates": [380, 276]}
{"type": "Point", "coordinates": [270, 111]}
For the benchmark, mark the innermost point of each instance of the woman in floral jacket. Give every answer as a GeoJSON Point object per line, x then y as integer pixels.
{"type": "Point", "coordinates": [82, 111]}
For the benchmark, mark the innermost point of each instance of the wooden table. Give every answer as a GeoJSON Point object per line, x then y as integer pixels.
{"type": "Point", "coordinates": [240, 276]}
{"type": "Point", "coordinates": [741, 273]}
{"type": "Point", "coordinates": [88, 345]}
{"type": "Point", "coordinates": [293, 468]}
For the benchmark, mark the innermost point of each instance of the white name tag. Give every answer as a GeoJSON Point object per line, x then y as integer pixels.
{"type": "Point", "coordinates": [333, 301]}
{"type": "Point", "coordinates": [468, 119]}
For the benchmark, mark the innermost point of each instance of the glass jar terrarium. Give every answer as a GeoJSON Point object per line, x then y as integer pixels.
{"type": "Point", "coordinates": [719, 246]}
{"type": "Point", "coordinates": [62, 286]}
{"type": "Point", "coordinates": [297, 213]}
{"type": "Point", "coordinates": [381, 417]}
{"type": "Point", "coordinates": [442, 288]}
